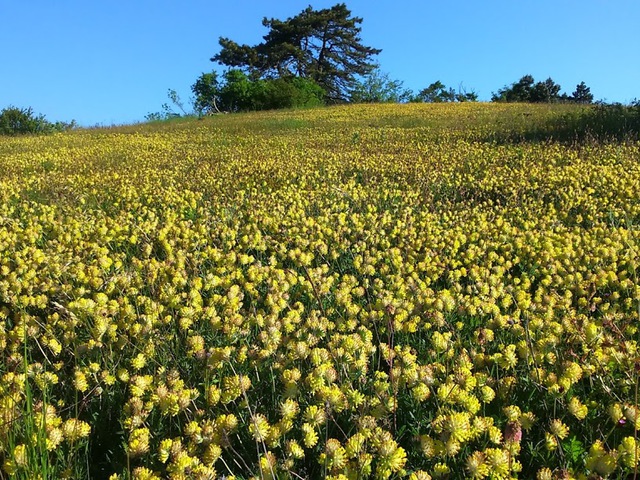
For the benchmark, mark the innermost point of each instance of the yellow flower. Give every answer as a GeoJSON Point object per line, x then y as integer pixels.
{"type": "Point", "coordinates": [632, 414]}
{"type": "Point", "coordinates": [458, 426]}
{"type": "Point", "coordinates": [334, 456]}
{"type": "Point", "coordinates": [559, 429]}
{"type": "Point", "coordinates": [441, 470]}
{"type": "Point", "coordinates": [289, 409]}
{"type": "Point", "coordinates": [550, 441]}
{"type": "Point", "coordinates": [629, 451]}
{"type": "Point", "coordinates": [476, 465]}
{"type": "Point", "coordinates": [420, 475]}
{"type": "Point", "coordinates": [138, 442]}
{"type": "Point", "coordinates": [294, 449]}
{"type": "Point", "coordinates": [74, 429]}
{"type": "Point", "coordinates": [310, 436]}
{"type": "Point", "coordinates": [544, 474]}
{"type": "Point", "coordinates": [139, 361]}
{"type": "Point", "coordinates": [577, 408]}
{"type": "Point", "coordinates": [211, 454]}
{"type": "Point", "coordinates": [80, 381]}
{"type": "Point", "coordinates": [498, 461]}
{"type": "Point", "coordinates": [259, 427]}
{"type": "Point", "coordinates": [55, 436]}
{"type": "Point", "coordinates": [143, 473]}
{"type": "Point", "coordinates": [315, 415]}
{"type": "Point", "coordinates": [20, 456]}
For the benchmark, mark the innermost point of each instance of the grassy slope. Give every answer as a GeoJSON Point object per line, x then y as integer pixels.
{"type": "Point", "coordinates": [410, 262]}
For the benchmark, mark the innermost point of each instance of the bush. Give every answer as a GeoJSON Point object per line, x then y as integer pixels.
{"type": "Point", "coordinates": [239, 92]}
{"type": "Point", "coordinates": [292, 93]}
{"type": "Point", "coordinates": [22, 121]}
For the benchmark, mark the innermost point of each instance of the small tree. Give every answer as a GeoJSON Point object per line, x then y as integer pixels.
{"type": "Point", "coordinates": [466, 96]}
{"type": "Point", "coordinates": [378, 87]}
{"type": "Point", "coordinates": [527, 90]}
{"type": "Point", "coordinates": [545, 92]}
{"type": "Point", "coordinates": [206, 91]}
{"type": "Point", "coordinates": [582, 94]}
{"type": "Point", "coordinates": [519, 91]}
{"type": "Point", "coordinates": [437, 92]}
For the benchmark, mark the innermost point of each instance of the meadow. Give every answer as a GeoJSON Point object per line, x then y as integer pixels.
{"type": "Point", "coordinates": [383, 291]}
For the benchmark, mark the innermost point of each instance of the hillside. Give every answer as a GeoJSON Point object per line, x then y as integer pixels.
{"type": "Point", "coordinates": [388, 291]}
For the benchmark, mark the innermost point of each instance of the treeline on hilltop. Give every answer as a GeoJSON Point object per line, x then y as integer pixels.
{"type": "Point", "coordinates": [317, 57]}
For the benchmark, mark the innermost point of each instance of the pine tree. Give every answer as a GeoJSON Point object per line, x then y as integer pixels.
{"type": "Point", "coordinates": [319, 45]}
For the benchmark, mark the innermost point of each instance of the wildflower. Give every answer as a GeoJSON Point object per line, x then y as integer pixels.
{"type": "Point", "coordinates": [334, 456]}
{"type": "Point", "coordinates": [421, 392]}
{"type": "Point", "coordinates": [164, 450]}
{"type": "Point", "coordinates": [139, 361]}
{"type": "Point", "coordinates": [143, 473]}
{"type": "Point", "coordinates": [294, 449]}
{"type": "Point", "coordinates": [487, 394]}
{"type": "Point", "coordinates": [629, 451]}
{"type": "Point", "coordinates": [420, 475]}
{"type": "Point", "coordinates": [310, 436]}
{"type": "Point", "coordinates": [544, 474]}
{"type": "Point", "coordinates": [289, 409]}
{"type": "Point", "coordinates": [80, 381]}
{"type": "Point", "coordinates": [495, 435]}
{"type": "Point", "coordinates": [513, 432]}
{"type": "Point", "coordinates": [259, 427]}
{"type": "Point", "coordinates": [315, 415]}
{"type": "Point", "coordinates": [440, 470]}
{"type": "Point", "coordinates": [498, 461]}
{"type": "Point", "coordinates": [20, 456]}
{"type": "Point", "coordinates": [74, 429]}
{"type": "Point", "coordinates": [138, 442]}
{"type": "Point", "coordinates": [55, 436]}
{"type": "Point", "coordinates": [599, 460]}
{"type": "Point", "coordinates": [550, 441]}
{"type": "Point", "coordinates": [458, 426]}
{"type": "Point", "coordinates": [616, 412]}
{"type": "Point", "coordinates": [559, 429]}
{"type": "Point", "coordinates": [476, 465]}
{"type": "Point", "coordinates": [577, 408]}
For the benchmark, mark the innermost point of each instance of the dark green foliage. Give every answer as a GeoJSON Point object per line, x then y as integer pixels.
{"type": "Point", "coordinates": [238, 92]}
{"type": "Point", "coordinates": [528, 90]}
{"type": "Point", "coordinates": [21, 121]}
{"type": "Point", "coordinates": [545, 92]}
{"type": "Point", "coordinates": [519, 91]}
{"type": "Point", "coordinates": [378, 87]}
{"type": "Point", "coordinates": [323, 46]}
{"type": "Point", "coordinates": [437, 92]}
{"type": "Point", "coordinates": [292, 92]}
{"type": "Point", "coordinates": [206, 92]}
{"type": "Point", "coordinates": [582, 94]}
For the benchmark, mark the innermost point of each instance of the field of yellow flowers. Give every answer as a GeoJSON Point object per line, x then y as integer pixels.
{"type": "Point", "coordinates": [344, 293]}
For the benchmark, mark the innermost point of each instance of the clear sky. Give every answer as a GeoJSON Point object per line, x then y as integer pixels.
{"type": "Point", "coordinates": [112, 62]}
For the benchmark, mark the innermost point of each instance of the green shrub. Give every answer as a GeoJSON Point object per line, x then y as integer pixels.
{"type": "Point", "coordinates": [239, 92]}
{"type": "Point", "coordinates": [22, 121]}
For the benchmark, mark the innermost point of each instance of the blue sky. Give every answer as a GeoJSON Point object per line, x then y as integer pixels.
{"type": "Point", "coordinates": [112, 62]}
